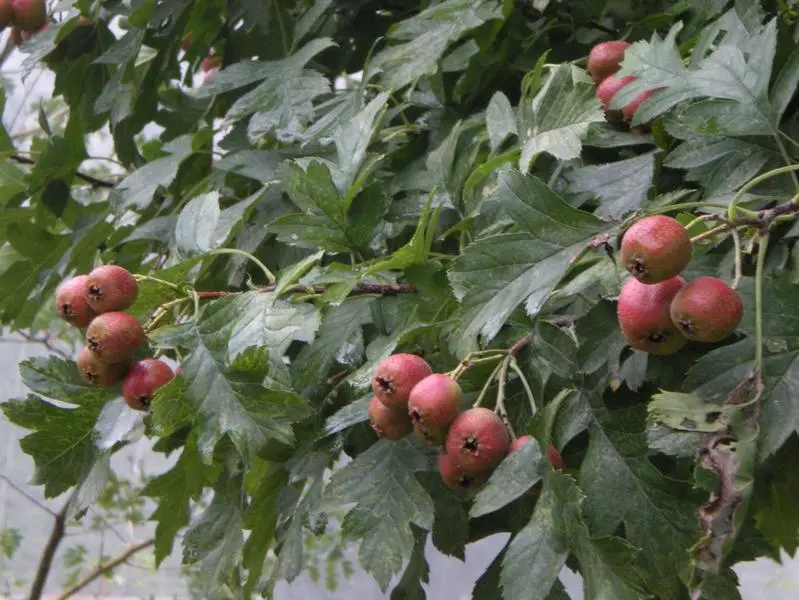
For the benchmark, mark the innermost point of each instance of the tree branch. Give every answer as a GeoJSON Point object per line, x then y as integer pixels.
{"type": "Point", "coordinates": [26, 495]}
{"type": "Point", "coordinates": [105, 567]}
{"type": "Point", "coordinates": [90, 179]}
{"type": "Point", "coordinates": [46, 560]}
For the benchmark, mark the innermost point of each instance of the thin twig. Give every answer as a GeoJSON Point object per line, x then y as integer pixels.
{"type": "Point", "coordinates": [91, 179]}
{"type": "Point", "coordinates": [46, 340]}
{"type": "Point", "coordinates": [736, 238]}
{"type": "Point", "coordinates": [520, 344]}
{"type": "Point", "coordinates": [105, 567]}
{"type": "Point", "coordinates": [22, 492]}
{"type": "Point", "coordinates": [46, 560]}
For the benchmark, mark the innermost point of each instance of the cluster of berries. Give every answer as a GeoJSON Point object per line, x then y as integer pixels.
{"type": "Point", "coordinates": [97, 302]}
{"type": "Point", "coordinates": [658, 311]}
{"type": "Point", "coordinates": [410, 397]}
{"type": "Point", "coordinates": [27, 17]}
{"type": "Point", "coordinates": [603, 63]}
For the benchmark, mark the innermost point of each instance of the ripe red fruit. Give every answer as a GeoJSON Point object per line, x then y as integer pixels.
{"type": "Point", "coordinates": [607, 89]}
{"type": "Point", "coordinates": [211, 62]}
{"type": "Point", "coordinates": [655, 248]}
{"type": "Point", "coordinates": [477, 440]}
{"type": "Point", "coordinates": [29, 15]}
{"type": "Point", "coordinates": [644, 316]}
{"type": "Point", "coordinates": [555, 459]}
{"type": "Point", "coordinates": [433, 405]}
{"type": "Point", "coordinates": [456, 478]}
{"type": "Point", "coordinates": [114, 336]}
{"type": "Point", "coordinates": [142, 381]}
{"type": "Point", "coordinates": [71, 303]}
{"type": "Point", "coordinates": [388, 423]}
{"type": "Point", "coordinates": [97, 373]}
{"type": "Point", "coordinates": [629, 110]}
{"type": "Point", "coordinates": [111, 288]}
{"type": "Point", "coordinates": [396, 376]}
{"type": "Point", "coordinates": [706, 310]}
{"type": "Point", "coordinates": [6, 13]}
{"type": "Point", "coordinates": [605, 58]}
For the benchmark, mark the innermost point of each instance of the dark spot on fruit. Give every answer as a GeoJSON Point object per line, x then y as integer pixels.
{"type": "Point", "coordinates": [639, 267]}
{"type": "Point", "coordinates": [93, 344]}
{"type": "Point", "coordinates": [91, 376]}
{"type": "Point", "coordinates": [656, 337]}
{"type": "Point", "coordinates": [464, 481]}
{"type": "Point", "coordinates": [416, 417]}
{"type": "Point", "coordinates": [144, 401]}
{"type": "Point", "coordinates": [384, 384]}
{"type": "Point", "coordinates": [66, 309]}
{"type": "Point", "coordinates": [94, 292]}
{"type": "Point", "coordinates": [471, 444]}
{"type": "Point", "coordinates": [686, 326]}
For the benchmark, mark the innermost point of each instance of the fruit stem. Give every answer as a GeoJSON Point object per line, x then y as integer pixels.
{"type": "Point", "coordinates": [486, 385]}
{"type": "Point", "coordinates": [174, 286]}
{"type": "Point", "coordinates": [713, 232]}
{"type": "Point", "coordinates": [470, 361]}
{"type": "Point", "coordinates": [736, 237]}
{"type": "Point", "coordinates": [527, 389]}
{"type": "Point", "coordinates": [270, 277]}
{"type": "Point", "coordinates": [761, 261]}
{"type": "Point", "coordinates": [500, 406]}
{"type": "Point", "coordinates": [691, 206]}
{"type": "Point", "coordinates": [733, 207]}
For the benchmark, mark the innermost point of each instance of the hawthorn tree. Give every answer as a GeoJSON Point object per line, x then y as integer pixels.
{"type": "Point", "coordinates": [312, 187]}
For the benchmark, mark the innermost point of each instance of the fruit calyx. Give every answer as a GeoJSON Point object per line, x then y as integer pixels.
{"type": "Point", "coordinates": [114, 336]}
{"type": "Point", "coordinates": [477, 440]}
{"type": "Point", "coordinates": [143, 380]}
{"type": "Point", "coordinates": [111, 288]}
{"type": "Point", "coordinates": [71, 303]}
{"type": "Point", "coordinates": [97, 373]}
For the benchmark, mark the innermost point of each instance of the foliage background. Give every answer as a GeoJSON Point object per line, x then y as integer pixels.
{"type": "Point", "coordinates": [440, 163]}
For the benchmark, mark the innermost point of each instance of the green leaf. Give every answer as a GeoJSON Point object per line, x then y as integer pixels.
{"type": "Point", "coordinates": [213, 545]}
{"type": "Point", "coordinates": [500, 120]}
{"type": "Point", "coordinates": [688, 412]}
{"type": "Point", "coordinates": [524, 267]}
{"type": "Point", "coordinates": [202, 226]}
{"type": "Point", "coordinates": [623, 487]}
{"type": "Point", "coordinates": [416, 573]}
{"type": "Point", "coordinates": [620, 187]}
{"type": "Point", "coordinates": [10, 539]}
{"type": "Point", "coordinates": [561, 114]}
{"type": "Point", "coordinates": [388, 499]}
{"type": "Point", "coordinates": [427, 36]}
{"type": "Point", "coordinates": [339, 339]}
{"type": "Point", "coordinates": [175, 490]}
{"type": "Point", "coordinates": [226, 389]}
{"type": "Point", "coordinates": [451, 524]}
{"type": "Point", "coordinates": [516, 474]}
{"type": "Point", "coordinates": [352, 139]}
{"type": "Point", "coordinates": [138, 188]}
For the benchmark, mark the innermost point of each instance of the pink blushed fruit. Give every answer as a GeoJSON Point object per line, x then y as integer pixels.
{"type": "Point", "coordinates": [143, 380]}
{"type": "Point", "coordinates": [71, 303]}
{"type": "Point", "coordinates": [477, 440]}
{"type": "Point", "coordinates": [396, 376]}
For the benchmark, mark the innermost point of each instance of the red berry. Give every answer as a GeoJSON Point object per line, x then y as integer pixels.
{"type": "Point", "coordinates": [396, 376]}
{"type": "Point", "coordinates": [71, 303]}
{"type": "Point", "coordinates": [142, 381]}
{"type": "Point", "coordinates": [518, 443]}
{"type": "Point", "coordinates": [605, 58]}
{"type": "Point", "coordinates": [211, 62]}
{"type": "Point", "coordinates": [29, 15]}
{"type": "Point", "coordinates": [655, 249]}
{"type": "Point", "coordinates": [706, 310]}
{"type": "Point", "coordinates": [433, 405]}
{"type": "Point", "coordinates": [111, 288]}
{"type": "Point", "coordinates": [607, 89]}
{"type": "Point", "coordinates": [644, 318]}
{"type": "Point", "coordinates": [388, 423]}
{"type": "Point", "coordinates": [97, 373]}
{"type": "Point", "coordinates": [114, 336]}
{"type": "Point", "coordinates": [630, 109]}
{"type": "Point", "coordinates": [456, 478]}
{"type": "Point", "coordinates": [477, 440]}
{"type": "Point", "coordinates": [555, 459]}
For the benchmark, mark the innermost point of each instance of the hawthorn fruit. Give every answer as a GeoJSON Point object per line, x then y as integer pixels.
{"type": "Point", "coordinates": [111, 288]}
{"type": "Point", "coordinates": [433, 405]}
{"type": "Point", "coordinates": [71, 303]}
{"type": "Point", "coordinates": [629, 110]}
{"type": "Point", "coordinates": [605, 58]}
{"type": "Point", "coordinates": [456, 478]}
{"type": "Point", "coordinates": [396, 376]}
{"type": "Point", "coordinates": [655, 249]}
{"type": "Point", "coordinates": [607, 89]}
{"type": "Point", "coordinates": [555, 459]}
{"type": "Point", "coordinates": [98, 373]}
{"type": "Point", "coordinates": [477, 440]}
{"type": "Point", "coordinates": [29, 15]}
{"type": "Point", "coordinates": [114, 336]}
{"type": "Point", "coordinates": [388, 423]}
{"type": "Point", "coordinates": [706, 309]}
{"type": "Point", "coordinates": [142, 381]}
{"type": "Point", "coordinates": [644, 316]}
